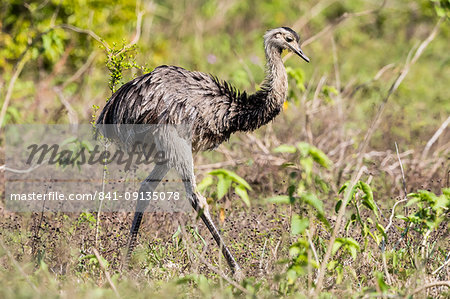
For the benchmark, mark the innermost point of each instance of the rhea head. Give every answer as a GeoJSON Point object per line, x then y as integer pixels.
{"type": "Point", "coordinates": [284, 38]}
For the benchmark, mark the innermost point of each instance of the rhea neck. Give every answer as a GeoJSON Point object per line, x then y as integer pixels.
{"type": "Point", "coordinates": [261, 107]}
{"type": "Point", "coordinates": [275, 84]}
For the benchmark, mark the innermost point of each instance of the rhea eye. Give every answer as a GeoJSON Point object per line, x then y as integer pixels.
{"type": "Point", "coordinates": [289, 39]}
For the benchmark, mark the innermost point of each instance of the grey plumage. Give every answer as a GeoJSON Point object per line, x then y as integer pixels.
{"type": "Point", "coordinates": [212, 108]}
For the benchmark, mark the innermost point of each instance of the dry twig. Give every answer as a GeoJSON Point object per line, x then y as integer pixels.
{"type": "Point", "coordinates": [71, 113]}
{"type": "Point", "coordinates": [404, 190]}
{"type": "Point", "coordinates": [383, 246]}
{"type": "Point", "coordinates": [12, 82]}
{"type": "Point", "coordinates": [85, 31]}
{"type": "Point", "coordinates": [108, 277]}
{"type": "Point", "coordinates": [447, 261]}
{"type": "Point", "coordinates": [435, 137]}
{"type": "Point", "coordinates": [429, 285]}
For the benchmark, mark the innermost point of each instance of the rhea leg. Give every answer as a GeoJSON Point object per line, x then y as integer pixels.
{"type": "Point", "coordinates": [148, 185]}
{"type": "Point", "coordinates": [179, 153]}
{"type": "Point", "coordinates": [200, 205]}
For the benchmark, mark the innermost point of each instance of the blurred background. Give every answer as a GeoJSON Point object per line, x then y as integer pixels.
{"type": "Point", "coordinates": [379, 72]}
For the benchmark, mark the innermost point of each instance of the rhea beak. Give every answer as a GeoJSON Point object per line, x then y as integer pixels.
{"type": "Point", "coordinates": [299, 52]}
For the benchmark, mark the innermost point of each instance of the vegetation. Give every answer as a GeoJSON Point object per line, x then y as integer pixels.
{"type": "Point", "coordinates": [345, 194]}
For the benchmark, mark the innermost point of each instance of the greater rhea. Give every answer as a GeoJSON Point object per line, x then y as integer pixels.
{"type": "Point", "coordinates": [213, 108]}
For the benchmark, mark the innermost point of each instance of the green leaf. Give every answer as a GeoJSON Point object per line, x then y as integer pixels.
{"type": "Point", "coordinates": [366, 190]}
{"type": "Point", "coordinates": [46, 42]}
{"type": "Point", "coordinates": [352, 192]}
{"type": "Point", "coordinates": [412, 201]}
{"type": "Point", "coordinates": [374, 236]}
{"type": "Point", "coordinates": [69, 140]}
{"type": "Point", "coordinates": [287, 164]}
{"type": "Point", "coordinates": [368, 197]}
{"type": "Point", "coordinates": [394, 260]}
{"type": "Point", "coordinates": [402, 217]}
{"type": "Point", "coordinates": [298, 75]}
{"type": "Point", "coordinates": [336, 245]}
{"type": "Point", "coordinates": [312, 200]}
{"type": "Point", "coordinates": [298, 224]}
{"type": "Point", "coordinates": [291, 276]}
{"type": "Point", "coordinates": [86, 144]}
{"type": "Point", "coordinates": [233, 176]}
{"type": "Point", "coordinates": [347, 243]}
{"type": "Point", "coordinates": [304, 148]}
{"type": "Point", "coordinates": [223, 185]}
{"type": "Point", "coordinates": [427, 196]}
{"type": "Point", "coordinates": [242, 192]}
{"type": "Point", "coordinates": [327, 90]}
{"type": "Point", "coordinates": [324, 220]}
{"type": "Point", "coordinates": [294, 251]}
{"type": "Point", "coordinates": [87, 256]}
{"type": "Point", "coordinates": [343, 187]}
{"type": "Point", "coordinates": [441, 203]}
{"type": "Point", "coordinates": [319, 157]}
{"type": "Point", "coordinates": [197, 235]}
{"type": "Point", "coordinates": [205, 183]}
{"type": "Point", "coordinates": [307, 164]}
{"type": "Point", "coordinates": [446, 193]}
{"type": "Point", "coordinates": [381, 230]}
{"type": "Point", "coordinates": [340, 274]}
{"type": "Point", "coordinates": [285, 148]}
{"type": "Point", "coordinates": [13, 113]}
{"type": "Point", "coordinates": [353, 251]}
{"type": "Point", "coordinates": [380, 281]}
{"type": "Point", "coordinates": [177, 233]}
{"type": "Point", "coordinates": [332, 264]}
{"type": "Point", "coordinates": [351, 242]}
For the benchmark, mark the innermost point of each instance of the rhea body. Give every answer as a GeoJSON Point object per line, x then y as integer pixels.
{"type": "Point", "coordinates": [214, 110]}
